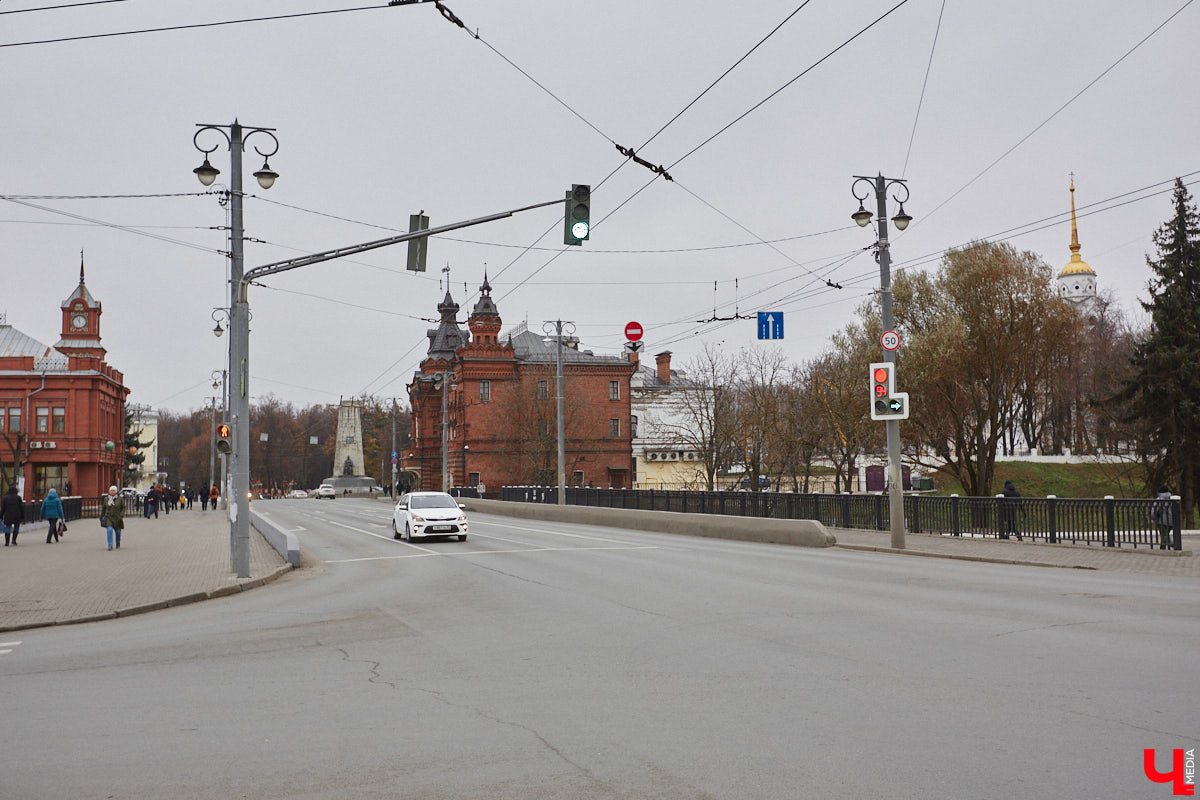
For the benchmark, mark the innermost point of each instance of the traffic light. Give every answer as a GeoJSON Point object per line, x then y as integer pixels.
{"type": "Point", "coordinates": [224, 446]}
{"type": "Point", "coordinates": [577, 223]}
{"type": "Point", "coordinates": [886, 402]}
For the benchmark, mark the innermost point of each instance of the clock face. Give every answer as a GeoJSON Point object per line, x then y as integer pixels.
{"type": "Point", "coordinates": [78, 322]}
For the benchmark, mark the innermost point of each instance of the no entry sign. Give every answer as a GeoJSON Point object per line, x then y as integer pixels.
{"type": "Point", "coordinates": [633, 331]}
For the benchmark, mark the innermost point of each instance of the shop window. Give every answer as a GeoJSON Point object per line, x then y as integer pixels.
{"type": "Point", "coordinates": [47, 477]}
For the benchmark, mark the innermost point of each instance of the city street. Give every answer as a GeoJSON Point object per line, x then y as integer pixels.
{"type": "Point", "coordinates": [550, 660]}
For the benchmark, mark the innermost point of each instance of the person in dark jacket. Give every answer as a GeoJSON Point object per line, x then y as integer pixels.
{"type": "Point", "coordinates": [152, 498]}
{"type": "Point", "coordinates": [1010, 506]}
{"type": "Point", "coordinates": [112, 516]}
{"type": "Point", "coordinates": [12, 512]}
{"type": "Point", "coordinates": [1161, 516]}
{"type": "Point", "coordinates": [52, 512]}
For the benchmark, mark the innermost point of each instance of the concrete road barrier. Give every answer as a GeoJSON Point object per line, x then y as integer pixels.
{"type": "Point", "coordinates": [796, 532]}
{"type": "Point", "coordinates": [286, 544]}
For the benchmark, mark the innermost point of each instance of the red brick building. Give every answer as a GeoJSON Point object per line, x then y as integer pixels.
{"type": "Point", "coordinates": [62, 408]}
{"type": "Point", "coordinates": [500, 407]}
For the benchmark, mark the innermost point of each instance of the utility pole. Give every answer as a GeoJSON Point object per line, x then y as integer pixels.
{"type": "Point", "coordinates": [880, 185]}
{"type": "Point", "coordinates": [557, 326]}
{"type": "Point", "coordinates": [394, 451]}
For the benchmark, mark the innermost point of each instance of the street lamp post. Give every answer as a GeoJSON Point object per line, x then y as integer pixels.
{"type": "Point", "coordinates": [239, 324]}
{"type": "Point", "coordinates": [447, 387]}
{"type": "Point", "coordinates": [880, 186]}
{"type": "Point", "coordinates": [558, 326]}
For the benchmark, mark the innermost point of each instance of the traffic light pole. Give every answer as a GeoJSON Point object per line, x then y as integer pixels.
{"type": "Point", "coordinates": [239, 339]}
{"type": "Point", "coordinates": [880, 185]}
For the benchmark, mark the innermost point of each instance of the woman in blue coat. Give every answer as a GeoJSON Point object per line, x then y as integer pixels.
{"type": "Point", "coordinates": [52, 511]}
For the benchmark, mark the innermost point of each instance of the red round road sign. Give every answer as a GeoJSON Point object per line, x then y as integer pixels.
{"type": "Point", "coordinates": [633, 331]}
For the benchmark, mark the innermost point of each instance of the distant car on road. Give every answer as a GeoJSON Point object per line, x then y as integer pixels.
{"type": "Point", "coordinates": [325, 490]}
{"type": "Point", "coordinates": [129, 491]}
{"type": "Point", "coordinates": [297, 493]}
{"type": "Point", "coordinates": [421, 514]}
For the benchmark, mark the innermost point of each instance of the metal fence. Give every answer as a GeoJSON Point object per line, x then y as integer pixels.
{"type": "Point", "coordinates": [1110, 522]}
{"type": "Point", "coordinates": [78, 508]}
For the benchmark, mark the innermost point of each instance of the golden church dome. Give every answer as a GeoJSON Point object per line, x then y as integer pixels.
{"type": "Point", "coordinates": [1076, 266]}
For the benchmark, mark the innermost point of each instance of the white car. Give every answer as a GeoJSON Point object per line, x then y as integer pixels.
{"type": "Point", "coordinates": [325, 490]}
{"type": "Point", "coordinates": [297, 493]}
{"type": "Point", "coordinates": [421, 514]}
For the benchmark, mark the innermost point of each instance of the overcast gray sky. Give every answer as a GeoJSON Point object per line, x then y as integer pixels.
{"type": "Point", "coordinates": [386, 111]}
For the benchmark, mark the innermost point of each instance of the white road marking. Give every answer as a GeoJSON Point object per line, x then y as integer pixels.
{"type": "Point", "coordinates": [8, 647]}
{"type": "Point", "coordinates": [462, 553]}
{"type": "Point", "coordinates": [554, 533]}
{"type": "Point", "coordinates": [378, 536]}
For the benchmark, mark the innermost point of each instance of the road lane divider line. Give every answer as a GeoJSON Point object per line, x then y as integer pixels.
{"type": "Point", "coordinates": [461, 554]}
{"type": "Point", "coordinates": [377, 536]}
{"type": "Point", "coordinates": [553, 533]}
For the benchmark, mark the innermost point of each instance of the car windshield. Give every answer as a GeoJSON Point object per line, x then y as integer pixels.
{"type": "Point", "coordinates": [432, 501]}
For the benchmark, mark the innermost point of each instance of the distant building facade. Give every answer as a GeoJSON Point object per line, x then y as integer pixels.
{"type": "Point", "coordinates": [62, 407]}
{"type": "Point", "coordinates": [145, 428]}
{"type": "Point", "coordinates": [496, 396]}
{"type": "Point", "coordinates": [664, 459]}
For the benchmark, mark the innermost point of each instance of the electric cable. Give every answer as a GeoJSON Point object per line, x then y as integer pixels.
{"type": "Point", "coordinates": [921, 100]}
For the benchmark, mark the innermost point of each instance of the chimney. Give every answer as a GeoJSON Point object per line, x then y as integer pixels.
{"type": "Point", "coordinates": [663, 360]}
{"type": "Point", "coordinates": [633, 357]}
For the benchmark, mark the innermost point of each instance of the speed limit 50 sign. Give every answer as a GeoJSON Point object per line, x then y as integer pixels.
{"type": "Point", "coordinates": [890, 340]}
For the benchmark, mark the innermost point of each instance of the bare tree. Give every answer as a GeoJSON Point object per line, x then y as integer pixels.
{"type": "Point", "coordinates": [704, 418]}
{"type": "Point", "coordinates": [986, 325]}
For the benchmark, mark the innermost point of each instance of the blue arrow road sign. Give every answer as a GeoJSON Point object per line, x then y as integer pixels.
{"type": "Point", "coordinates": [770, 324]}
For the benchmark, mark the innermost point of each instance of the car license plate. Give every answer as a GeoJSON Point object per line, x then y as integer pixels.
{"type": "Point", "coordinates": [440, 528]}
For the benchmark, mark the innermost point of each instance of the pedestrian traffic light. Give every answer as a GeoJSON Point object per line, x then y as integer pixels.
{"type": "Point", "coordinates": [224, 446]}
{"type": "Point", "coordinates": [886, 402]}
{"type": "Point", "coordinates": [577, 224]}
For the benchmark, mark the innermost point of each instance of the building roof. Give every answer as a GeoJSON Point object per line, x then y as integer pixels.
{"type": "Point", "coordinates": [529, 346]}
{"type": "Point", "coordinates": [14, 344]}
{"type": "Point", "coordinates": [447, 336]}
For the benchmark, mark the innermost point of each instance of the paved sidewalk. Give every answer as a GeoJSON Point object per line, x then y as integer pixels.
{"type": "Point", "coordinates": [175, 559]}
{"type": "Point", "coordinates": [1121, 559]}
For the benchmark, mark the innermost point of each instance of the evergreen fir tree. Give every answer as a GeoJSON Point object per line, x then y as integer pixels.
{"type": "Point", "coordinates": [134, 457]}
{"type": "Point", "coordinates": [1164, 393]}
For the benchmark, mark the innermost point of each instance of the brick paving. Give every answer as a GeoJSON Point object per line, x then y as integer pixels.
{"type": "Point", "coordinates": [1121, 559]}
{"type": "Point", "coordinates": [178, 558]}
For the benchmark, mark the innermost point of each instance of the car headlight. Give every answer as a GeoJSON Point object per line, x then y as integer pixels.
{"type": "Point", "coordinates": [419, 519]}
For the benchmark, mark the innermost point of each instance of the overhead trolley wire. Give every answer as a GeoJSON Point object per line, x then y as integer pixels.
{"type": "Point", "coordinates": [921, 100]}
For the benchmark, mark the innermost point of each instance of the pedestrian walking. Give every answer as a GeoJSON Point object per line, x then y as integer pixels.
{"type": "Point", "coordinates": [1160, 516]}
{"type": "Point", "coordinates": [1010, 505]}
{"type": "Point", "coordinates": [203, 500]}
{"type": "Point", "coordinates": [12, 512]}
{"type": "Point", "coordinates": [213, 494]}
{"type": "Point", "coordinates": [52, 512]}
{"type": "Point", "coordinates": [152, 498]}
{"type": "Point", "coordinates": [112, 516]}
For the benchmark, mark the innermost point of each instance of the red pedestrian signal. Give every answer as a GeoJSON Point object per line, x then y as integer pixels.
{"type": "Point", "coordinates": [224, 445]}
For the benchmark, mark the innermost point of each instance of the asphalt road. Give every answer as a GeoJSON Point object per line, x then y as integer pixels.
{"type": "Point", "coordinates": [542, 660]}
